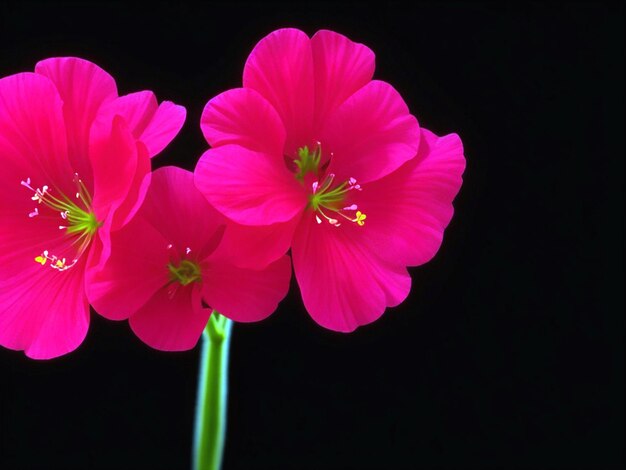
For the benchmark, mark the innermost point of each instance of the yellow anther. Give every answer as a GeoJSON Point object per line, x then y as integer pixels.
{"type": "Point", "coordinates": [41, 260]}
{"type": "Point", "coordinates": [360, 218]}
{"type": "Point", "coordinates": [60, 264]}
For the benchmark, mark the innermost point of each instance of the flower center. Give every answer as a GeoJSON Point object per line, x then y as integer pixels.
{"type": "Point", "coordinates": [77, 220]}
{"type": "Point", "coordinates": [327, 199]}
{"type": "Point", "coordinates": [185, 273]}
{"type": "Point", "coordinates": [307, 161]}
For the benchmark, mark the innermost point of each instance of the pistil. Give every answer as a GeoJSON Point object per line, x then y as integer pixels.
{"type": "Point", "coordinates": [324, 197]}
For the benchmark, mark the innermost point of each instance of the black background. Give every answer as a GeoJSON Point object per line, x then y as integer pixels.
{"type": "Point", "coordinates": [508, 352]}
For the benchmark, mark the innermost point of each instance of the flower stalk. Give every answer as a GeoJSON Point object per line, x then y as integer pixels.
{"type": "Point", "coordinates": [210, 421]}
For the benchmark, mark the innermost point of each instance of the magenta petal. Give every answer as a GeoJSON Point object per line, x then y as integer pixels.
{"type": "Point", "coordinates": [150, 123]}
{"type": "Point", "coordinates": [343, 284]}
{"type": "Point", "coordinates": [408, 210]}
{"type": "Point", "coordinates": [32, 135]}
{"type": "Point", "coordinates": [43, 312]}
{"type": "Point", "coordinates": [164, 126]}
{"type": "Point", "coordinates": [371, 134]}
{"type": "Point", "coordinates": [84, 88]}
{"type": "Point", "coordinates": [171, 320]}
{"type": "Point", "coordinates": [254, 247]}
{"type": "Point", "coordinates": [245, 295]}
{"type": "Point", "coordinates": [341, 67]}
{"type": "Point", "coordinates": [114, 158]}
{"type": "Point", "coordinates": [181, 214]}
{"type": "Point", "coordinates": [242, 116]}
{"type": "Point", "coordinates": [137, 189]}
{"type": "Point", "coordinates": [280, 68]}
{"type": "Point", "coordinates": [132, 274]}
{"type": "Point", "coordinates": [249, 187]}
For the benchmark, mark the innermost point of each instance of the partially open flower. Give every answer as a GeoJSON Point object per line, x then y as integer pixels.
{"type": "Point", "coordinates": [75, 162]}
{"type": "Point", "coordinates": [175, 256]}
{"type": "Point", "coordinates": [331, 164]}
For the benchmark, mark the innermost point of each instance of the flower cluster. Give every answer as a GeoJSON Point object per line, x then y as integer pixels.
{"type": "Point", "coordinates": [311, 161]}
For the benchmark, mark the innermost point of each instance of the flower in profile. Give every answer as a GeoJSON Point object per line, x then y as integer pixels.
{"type": "Point", "coordinates": [75, 161]}
{"type": "Point", "coordinates": [330, 164]}
{"type": "Point", "coordinates": [170, 260]}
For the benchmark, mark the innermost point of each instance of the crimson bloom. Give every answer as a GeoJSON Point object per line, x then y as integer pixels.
{"type": "Point", "coordinates": [330, 163]}
{"type": "Point", "coordinates": [170, 258]}
{"type": "Point", "coordinates": [75, 162]}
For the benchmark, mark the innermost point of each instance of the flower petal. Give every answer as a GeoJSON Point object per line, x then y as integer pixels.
{"type": "Point", "coordinates": [341, 67]}
{"type": "Point", "coordinates": [32, 136]}
{"type": "Point", "coordinates": [181, 214]}
{"type": "Point", "coordinates": [242, 116]}
{"type": "Point", "coordinates": [135, 270]}
{"type": "Point", "coordinates": [408, 210]}
{"type": "Point", "coordinates": [84, 88]}
{"type": "Point", "coordinates": [343, 284]}
{"type": "Point", "coordinates": [280, 67]}
{"type": "Point", "coordinates": [171, 321]}
{"type": "Point", "coordinates": [371, 134]}
{"type": "Point", "coordinates": [150, 123]}
{"type": "Point", "coordinates": [254, 247]}
{"type": "Point", "coordinates": [251, 188]}
{"type": "Point", "coordinates": [42, 311]}
{"type": "Point", "coordinates": [120, 168]}
{"type": "Point", "coordinates": [245, 295]}
{"type": "Point", "coordinates": [163, 127]}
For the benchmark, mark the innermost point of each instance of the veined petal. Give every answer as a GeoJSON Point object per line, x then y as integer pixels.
{"type": "Point", "coordinates": [116, 159]}
{"type": "Point", "coordinates": [32, 136]}
{"type": "Point", "coordinates": [246, 295]}
{"type": "Point", "coordinates": [139, 184]}
{"type": "Point", "coordinates": [254, 247]}
{"type": "Point", "coordinates": [409, 209]}
{"type": "Point", "coordinates": [84, 88]}
{"type": "Point", "coordinates": [181, 214]}
{"type": "Point", "coordinates": [242, 116]}
{"type": "Point", "coordinates": [42, 311]}
{"type": "Point", "coordinates": [251, 188]}
{"type": "Point", "coordinates": [371, 134]}
{"type": "Point", "coordinates": [341, 67]}
{"type": "Point", "coordinates": [280, 67]}
{"type": "Point", "coordinates": [343, 284]}
{"type": "Point", "coordinates": [171, 320]}
{"type": "Point", "coordinates": [153, 124]}
{"type": "Point", "coordinates": [33, 150]}
{"type": "Point", "coordinates": [135, 270]}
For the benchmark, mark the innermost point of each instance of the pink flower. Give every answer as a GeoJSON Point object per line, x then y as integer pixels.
{"type": "Point", "coordinates": [75, 162]}
{"type": "Point", "coordinates": [331, 164]}
{"type": "Point", "coordinates": [170, 258]}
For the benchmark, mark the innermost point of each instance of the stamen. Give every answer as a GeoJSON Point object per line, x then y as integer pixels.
{"type": "Point", "coordinates": [323, 197]}
{"type": "Point", "coordinates": [60, 264]}
{"type": "Point", "coordinates": [81, 222]}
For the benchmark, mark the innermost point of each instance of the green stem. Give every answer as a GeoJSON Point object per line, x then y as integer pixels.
{"type": "Point", "coordinates": [210, 425]}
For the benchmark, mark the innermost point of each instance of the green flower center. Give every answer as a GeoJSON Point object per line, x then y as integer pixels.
{"type": "Point", "coordinates": [307, 161]}
{"type": "Point", "coordinates": [185, 273]}
{"type": "Point", "coordinates": [77, 220]}
{"type": "Point", "coordinates": [327, 199]}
